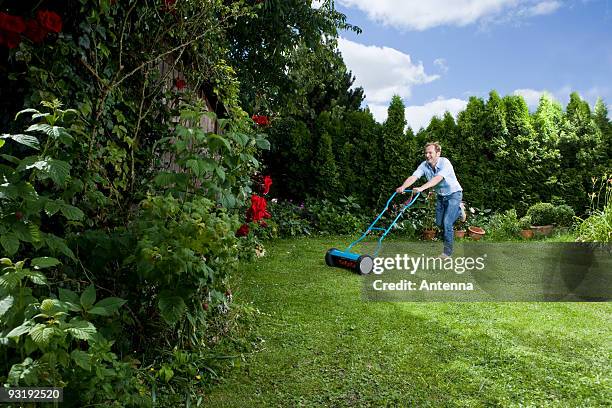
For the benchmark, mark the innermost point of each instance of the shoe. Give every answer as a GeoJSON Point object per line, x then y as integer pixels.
{"type": "Point", "coordinates": [463, 213]}
{"type": "Point", "coordinates": [444, 256]}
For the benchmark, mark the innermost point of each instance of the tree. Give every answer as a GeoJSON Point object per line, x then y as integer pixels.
{"type": "Point", "coordinates": [398, 149]}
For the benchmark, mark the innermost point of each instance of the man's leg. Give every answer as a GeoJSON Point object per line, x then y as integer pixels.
{"type": "Point", "coordinates": [440, 207]}
{"type": "Point", "coordinates": [453, 211]}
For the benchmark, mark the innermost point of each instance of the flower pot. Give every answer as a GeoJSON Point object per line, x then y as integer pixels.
{"type": "Point", "coordinates": [459, 233]}
{"type": "Point", "coordinates": [476, 233]}
{"type": "Point", "coordinates": [429, 235]}
{"type": "Point", "coordinates": [542, 230]}
{"type": "Point", "coordinates": [527, 233]}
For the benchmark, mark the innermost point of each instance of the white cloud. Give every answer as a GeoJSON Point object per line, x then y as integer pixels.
{"type": "Point", "coordinates": [441, 64]}
{"type": "Point", "coordinates": [382, 71]}
{"type": "Point", "coordinates": [420, 116]}
{"type": "Point", "coordinates": [316, 4]}
{"type": "Point", "coordinates": [531, 96]}
{"type": "Point", "coordinates": [421, 15]}
{"type": "Point", "coordinates": [542, 8]}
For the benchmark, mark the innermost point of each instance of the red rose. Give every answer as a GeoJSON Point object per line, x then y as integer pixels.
{"type": "Point", "coordinates": [35, 32]}
{"type": "Point", "coordinates": [261, 120]}
{"type": "Point", "coordinates": [267, 183]}
{"type": "Point", "coordinates": [257, 211]}
{"type": "Point", "coordinates": [12, 24]}
{"type": "Point", "coordinates": [49, 20]}
{"type": "Point", "coordinates": [180, 84]}
{"type": "Point", "coordinates": [243, 231]}
{"type": "Point", "coordinates": [9, 39]}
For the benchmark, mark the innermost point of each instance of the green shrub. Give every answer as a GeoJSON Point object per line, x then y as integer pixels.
{"type": "Point", "coordinates": [564, 215]}
{"type": "Point", "coordinates": [329, 218]}
{"type": "Point", "coordinates": [52, 341]}
{"type": "Point", "coordinates": [525, 222]}
{"type": "Point", "coordinates": [185, 250]}
{"type": "Point", "coordinates": [542, 214]}
{"type": "Point", "coordinates": [597, 227]}
{"type": "Point", "coordinates": [291, 219]}
{"type": "Point", "coordinates": [504, 225]}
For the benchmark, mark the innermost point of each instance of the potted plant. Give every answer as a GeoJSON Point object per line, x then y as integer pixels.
{"type": "Point", "coordinates": [542, 218]}
{"type": "Point", "coordinates": [475, 232]}
{"type": "Point", "coordinates": [478, 219]}
{"type": "Point", "coordinates": [460, 233]}
{"type": "Point", "coordinates": [525, 225]}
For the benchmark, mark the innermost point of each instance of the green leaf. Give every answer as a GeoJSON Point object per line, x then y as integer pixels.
{"type": "Point", "coordinates": [262, 143]}
{"type": "Point", "coordinates": [11, 279]}
{"type": "Point", "coordinates": [21, 330]}
{"type": "Point", "coordinates": [71, 212]}
{"type": "Point", "coordinates": [53, 206]}
{"type": "Point", "coordinates": [81, 329]}
{"type": "Point", "coordinates": [29, 110]}
{"type": "Point", "coordinates": [82, 359]}
{"type": "Point", "coordinates": [57, 244]}
{"type": "Point", "coordinates": [107, 306]}
{"type": "Point", "coordinates": [10, 243]}
{"type": "Point", "coordinates": [171, 308]}
{"type": "Point", "coordinates": [26, 140]}
{"type": "Point", "coordinates": [51, 131]}
{"type": "Point", "coordinates": [41, 334]}
{"type": "Point", "coordinates": [5, 304]}
{"type": "Point", "coordinates": [44, 262]}
{"type": "Point", "coordinates": [1, 142]}
{"type": "Point", "coordinates": [212, 137]}
{"type": "Point", "coordinates": [36, 277]}
{"type": "Point", "coordinates": [88, 297]}
{"type": "Point", "coordinates": [68, 296]}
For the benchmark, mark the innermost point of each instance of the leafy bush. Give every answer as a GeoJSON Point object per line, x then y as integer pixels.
{"type": "Point", "coordinates": [542, 214]}
{"type": "Point", "coordinates": [505, 225]}
{"type": "Point", "coordinates": [328, 218]}
{"type": "Point", "coordinates": [50, 341]}
{"type": "Point", "coordinates": [24, 206]}
{"type": "Point", "coordinates": [564, 215]}
{"type": "Point", "coordinates": [525, 222]}
{"type": "Point", "coordinates": [598, 226]}
{"type": "Point", "coordinates": [290, 218]}
{"type": "Point", "coordinates": [185, 250]}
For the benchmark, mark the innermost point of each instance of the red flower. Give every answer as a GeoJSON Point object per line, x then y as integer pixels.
{"type": "Point", "coordinates": [12, 24]}
{"type": "Point", "coordinates": [257, 211]}
{"type": "Point", "coordinates": [35, 32]}
{"type": "Point", "coordinates": [9, 39]}
{"type": "Point", "coordinates": [180, 84]}
{"type": "Point", "coordinates": [267, 183]}
{"type": "Point", "coordinates": [49, 20]}
{"type": "Point", "coordinates": [261, 120]}
{"type": "Point", "coordinates": [243, 231]}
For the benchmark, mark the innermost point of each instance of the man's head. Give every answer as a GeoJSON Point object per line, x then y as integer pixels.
{"type": "Point", "coordinates": [432, 153]}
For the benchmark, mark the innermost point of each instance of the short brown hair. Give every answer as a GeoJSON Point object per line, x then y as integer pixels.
{"type": "Point", "coordinates": [436, 145]}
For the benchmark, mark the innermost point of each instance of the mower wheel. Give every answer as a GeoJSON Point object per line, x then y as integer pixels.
{"type": "Point", "coordinates": [365, 263]}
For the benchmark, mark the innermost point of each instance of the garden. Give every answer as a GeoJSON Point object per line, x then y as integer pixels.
{"type": "Point", "coordinates": [172, 173]}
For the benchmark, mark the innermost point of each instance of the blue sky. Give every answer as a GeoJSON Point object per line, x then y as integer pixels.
{"type": "Point", "coordinates": [437, 53]}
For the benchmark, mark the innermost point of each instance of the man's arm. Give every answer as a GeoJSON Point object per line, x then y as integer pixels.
{"type": "Point", "coordinates": [407, 183]}
{"type": "Point", "coordinates": [431, 183]}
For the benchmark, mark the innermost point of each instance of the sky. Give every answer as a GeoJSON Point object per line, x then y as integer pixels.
{"type": "Point", "coordinates": [435, 54]}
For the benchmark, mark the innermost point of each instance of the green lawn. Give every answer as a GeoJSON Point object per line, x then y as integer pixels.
{"type": "Point", "coordinates": [325, 346]}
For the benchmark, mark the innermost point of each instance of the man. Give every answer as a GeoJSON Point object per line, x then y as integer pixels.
{"type": "Point", "coordinates": [441, 175]}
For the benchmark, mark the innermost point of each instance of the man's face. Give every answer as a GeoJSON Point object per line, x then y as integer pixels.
{"type": "Point", "coordinates": [431, 155]}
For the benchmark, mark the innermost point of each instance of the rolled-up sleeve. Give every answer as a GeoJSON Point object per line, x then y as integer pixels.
{"type": "Point", "coordinates": [419, 172]}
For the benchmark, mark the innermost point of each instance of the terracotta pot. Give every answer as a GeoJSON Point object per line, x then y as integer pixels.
{"type": "Point", "coordinates": [544, 230]}
{"type": "Point", "coordinates": [527, 233]}
{"type": "Point", "coordinates": [476, 233]}
{"type": "Point", "coordinates": [459, 233]}
{"type": "Point", "coordinates": [429, 235]}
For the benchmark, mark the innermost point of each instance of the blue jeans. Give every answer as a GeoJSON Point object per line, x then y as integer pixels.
{"type": "Point", "coordinates": [447, 212]}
